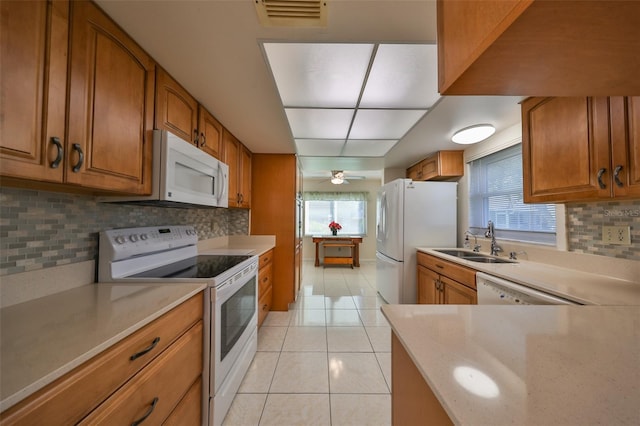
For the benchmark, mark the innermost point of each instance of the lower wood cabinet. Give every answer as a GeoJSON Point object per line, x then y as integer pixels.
{"type": "Point", "coordinates": [265, 290]}
{"type": "Point", "coordinates": [443, 282]}
{"type": "Point", "coordinates": [412, 400]}
{"type": "Point", "coordinates": [162, 360]}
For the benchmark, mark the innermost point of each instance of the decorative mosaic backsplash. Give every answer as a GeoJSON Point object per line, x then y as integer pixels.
{"type": "Point", "coordinates": [585, 222]}
{"type": "Point", "coordinates": [43, 229]}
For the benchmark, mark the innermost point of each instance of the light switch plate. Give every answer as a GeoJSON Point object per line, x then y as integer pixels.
{"type": "Point", "coordinates": [620, 235]}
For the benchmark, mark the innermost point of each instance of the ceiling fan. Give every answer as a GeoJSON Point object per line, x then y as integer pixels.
{"type": "Point", "coordinates": [338, 177]}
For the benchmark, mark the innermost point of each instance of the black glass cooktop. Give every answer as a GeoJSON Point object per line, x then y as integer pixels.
{"type": "Point", "coordinates": [205, 266]}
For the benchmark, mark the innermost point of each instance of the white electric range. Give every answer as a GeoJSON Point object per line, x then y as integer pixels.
{"type": "Point", "coordinates": [169, 254]}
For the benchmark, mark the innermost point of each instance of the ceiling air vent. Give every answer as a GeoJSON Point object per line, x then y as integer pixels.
{"type": "Point", "coordinates": [292, 13]}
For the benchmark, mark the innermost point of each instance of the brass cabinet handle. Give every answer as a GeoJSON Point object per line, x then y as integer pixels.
{"type": "Point", "coordinates": [195, 139]}
{"type": "Point", "coordinates": [204, 139]}
{"type": "Point", "coordinates": [78, 165]}
{"type": "Point", "coordinates": [55, 163]}
{"type": "Point", "coordinates": [601, 184]}
{"type": "Point", "coordinates": [145, 350]}
{"type": "Point", "coordinates": [616, 178]}
{"type": "Point", "coordinates": [147, 414]}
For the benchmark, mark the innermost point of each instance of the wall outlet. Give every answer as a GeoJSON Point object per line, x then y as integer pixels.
{"type": "Point", "coordinates": [620, 235]}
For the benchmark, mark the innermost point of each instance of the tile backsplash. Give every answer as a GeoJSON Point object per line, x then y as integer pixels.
{"type": "Point", "coordinates": [585, 222]}
{"type": "Point", "coordinates": [44, 229]}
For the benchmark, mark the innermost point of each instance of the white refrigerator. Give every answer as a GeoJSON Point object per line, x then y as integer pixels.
{"type": "Point", "coordinates": [410, 215]}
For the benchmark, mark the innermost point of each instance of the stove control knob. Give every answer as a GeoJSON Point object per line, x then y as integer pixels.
{"type": "Point", "coordinates": [133, 238]}
{"type": "Point", "coordinates": [143, 236]}
{"type": "Point", "coordinates": [120, 239]}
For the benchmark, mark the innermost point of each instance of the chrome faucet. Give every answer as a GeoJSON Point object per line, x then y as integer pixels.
{"type": "Point", "coordinates": [495, 248]}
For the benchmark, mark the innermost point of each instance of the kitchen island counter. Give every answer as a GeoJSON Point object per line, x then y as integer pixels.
{"type": "Point", "coordinates": [45, 338]}
{"type": "Point", "coordinates": [524, 365]}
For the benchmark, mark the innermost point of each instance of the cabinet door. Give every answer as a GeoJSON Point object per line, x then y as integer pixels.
{"type": "Point", "coordinates": [455, 293]}
{"type": "Point", "coordinates": [176, 109]}
{"type": "Point", "coordinates": [565, 149]}
{"type": "Point", "coordinates": [231, 155]}
{"type": "Point", "coordinates": [625, 145]}
{"type": "Point", "coordinates": [210, 134]}
{"type": "Point", "coordinates": [245, 177]}
{"type": "Point", "coordinates": [33, 54]}
{"type": "Point", "coordinates": [110, 106]}
{"type": "Point", "coordinates": [428, 292]}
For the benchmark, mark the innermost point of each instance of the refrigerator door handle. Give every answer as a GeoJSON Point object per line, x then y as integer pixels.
{"type": "Point", "coordinates": [383, 217]}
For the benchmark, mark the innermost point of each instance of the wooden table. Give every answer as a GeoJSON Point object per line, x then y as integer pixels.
{"type": "Point", "coordinates": [330, 238]}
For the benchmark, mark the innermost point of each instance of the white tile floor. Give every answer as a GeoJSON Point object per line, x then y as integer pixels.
{"type": "Point", "coordinates": [327, 361]}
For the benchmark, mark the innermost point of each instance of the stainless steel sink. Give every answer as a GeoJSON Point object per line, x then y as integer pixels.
{"type": "Point", "coordinates": [475, 257]}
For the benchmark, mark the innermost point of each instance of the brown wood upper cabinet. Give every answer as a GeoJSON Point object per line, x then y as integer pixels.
{"type": "Point", "coordinates": [179, 112]}
{"type": "Point", "coordinates": [106, 142]}
{"type": "Point", "coordinates": [111, 97]}
{"type": "Point", "coordinates": [33, 53]}
{"type": "Point", "coordinates": [176, 109]}
{"type": "Point", "coordinates": [443, 282]}
{"type": "Point", "coordinates": [580, 148]}
{"type": "Point", "coordinates": [443, 165]}
{"type": "Point", "coordinates": [538, 48]}
{"type": "Point", "coordinates": [238, 158]}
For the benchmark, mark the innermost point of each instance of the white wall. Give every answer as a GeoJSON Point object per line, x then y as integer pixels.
{"type": "Point", "coordinates": [368, 246]}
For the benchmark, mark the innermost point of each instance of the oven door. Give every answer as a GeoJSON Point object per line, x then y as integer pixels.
{"type": "Point", "coordinates": [235, 321]}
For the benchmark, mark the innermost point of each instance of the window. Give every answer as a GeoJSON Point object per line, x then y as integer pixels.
{"type": "Point", "coordinates": [349, 209]}
{"type": "Point", "coordinates": [496, 195]}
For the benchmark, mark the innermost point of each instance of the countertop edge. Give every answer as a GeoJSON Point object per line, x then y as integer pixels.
{"type": "Point", "coordinates": [22, 394]}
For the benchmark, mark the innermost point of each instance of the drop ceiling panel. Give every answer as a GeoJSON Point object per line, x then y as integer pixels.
{"type": "Point", "coordinates": [402, 76]}
{"type": "Point", "coordinates": [326, 75]}
{"type": "Point", "coordinates": [307, 123]}
{"type": "Point", "coordinates": [367, 148]}
{"type": "Point", "coordinates": [322, 147]}
{"type": "Point", "coordinates": [384, 124]}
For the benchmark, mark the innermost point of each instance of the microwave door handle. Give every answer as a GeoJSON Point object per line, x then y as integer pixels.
{"type": "Point", "coordinates": [222, 181]}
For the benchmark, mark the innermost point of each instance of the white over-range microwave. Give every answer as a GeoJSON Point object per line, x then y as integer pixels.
{"type": "Point", "coordinates": [183, 176]}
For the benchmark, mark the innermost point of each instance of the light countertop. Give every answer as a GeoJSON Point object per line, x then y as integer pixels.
{"type": "Point", "coordinates": [238, 244]}
{"type": "Point", "coordinates": [527, 365]}
{"type": "Point", "coordinates": [42, 339]}
{"type": "Point", "coordinates": [582, 287]}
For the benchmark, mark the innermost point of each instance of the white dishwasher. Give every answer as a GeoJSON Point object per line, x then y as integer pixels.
{"type": "Point", "coordinates": [497, 291]}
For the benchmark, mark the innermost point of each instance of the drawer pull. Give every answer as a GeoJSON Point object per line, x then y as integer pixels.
{"type": "Point", "coordinates": [439, 266]}
{"type": "Point", "coordinates": [145, 350]}
{"type": "Point", "coordinates": [147, 414]}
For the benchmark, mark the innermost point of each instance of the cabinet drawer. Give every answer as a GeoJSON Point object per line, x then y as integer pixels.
{"type": "Point", "coordinates": [462, 274]}
{"type": "Point", "coordinates": [73, 396]}
{"type": "Point", "coordinates": [164, 381]}
{"type": "Point", "coordinates": [189, 410]}
{"type": "Point", "coordinates": [265, 275]}
{"type": "Point", "coordinates": [264, 306]}
{"type": "Point", "coordinates": [265, 259]}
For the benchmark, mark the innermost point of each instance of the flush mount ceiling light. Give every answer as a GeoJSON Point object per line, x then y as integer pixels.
{"type": "Point", "coordinates": [473, 134]}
